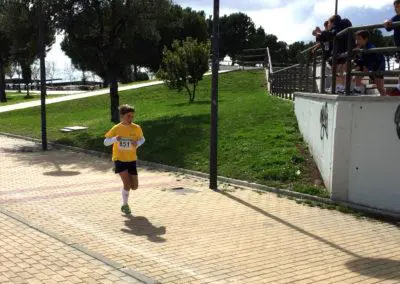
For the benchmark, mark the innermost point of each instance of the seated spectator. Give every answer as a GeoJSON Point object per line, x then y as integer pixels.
{"type": "Point", "coordinates": [369, 62]}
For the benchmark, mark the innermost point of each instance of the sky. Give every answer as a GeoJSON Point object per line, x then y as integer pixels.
{"type": "Point", "coordinates": [289, 20]}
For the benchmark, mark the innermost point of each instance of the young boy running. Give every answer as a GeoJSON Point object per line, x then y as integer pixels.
{"type": "Point", "coordinates": [396, 35]}
{"type": "Point", "coordinates": [125, 137]}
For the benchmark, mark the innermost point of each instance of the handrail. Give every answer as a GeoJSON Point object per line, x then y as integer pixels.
{"type": "Point", "coordinates": [287, 68]}
{"type": "Point", "coordinates": [251, 56]}
{"type": "Point", "coordinates": [310, 48]}
{"type": "Point", "coordinates": [269, 61]}
{"type": "Point", "coordinates": [254, 49]}
{"type": "Point", "coordinates": [367, 27]}
{"type": "Point", "coordinates": [377, 50]}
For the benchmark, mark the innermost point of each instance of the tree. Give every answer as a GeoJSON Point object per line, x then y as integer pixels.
{"type": "Point", "coordinates": [184, 65]}
{"type": "Point", "coordinates": [237, 32]}
{"type": "Point", "coordinates": [294, 50]}
{"type": "Point", "coordinates": [278, 49]}
{"type": "Point", "coordinates": [21, 26]}
{"type": "Point", "coordinates": [173, 23]}
{"type": "Point", "coordinates": [100, 36]}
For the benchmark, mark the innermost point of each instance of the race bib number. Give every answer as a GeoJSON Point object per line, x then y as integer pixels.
{"type": "Point", "coordinates": [125, 144]}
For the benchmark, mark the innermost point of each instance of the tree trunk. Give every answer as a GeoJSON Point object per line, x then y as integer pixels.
{"type": "Point", "coordinates": [194, 92]}
{"type": "Point", "coordinates": [135, 73]}
{"type": "Point", "coordinates": [3, 97]}
{"type": "Point", "coordinates": [27, 90]}
{"type": "Point", "coordinates": [114, 97]}
{"type": "Point", "coordinates": [189, 92]}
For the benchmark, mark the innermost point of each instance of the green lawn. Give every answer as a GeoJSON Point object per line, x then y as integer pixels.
{"type": "Point", "coordinates": [258, 136]}
{"type": "Point", "coordinates": [14, 98]}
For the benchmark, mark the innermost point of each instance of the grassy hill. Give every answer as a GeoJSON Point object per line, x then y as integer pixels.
{"type": "Point", "coordinates": [258, 136]}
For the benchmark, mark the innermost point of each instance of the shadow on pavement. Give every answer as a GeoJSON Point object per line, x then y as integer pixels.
{"type": "Point", "coordinates": [290, 225]}
{"type": "Point", "coordinates": [141, 226]}
{"type": "Point", "coordinates": [375, 267]}
{"type": "Point", "coordinates": [55, 160]}
{"type": "Point", "coordinates": [62, 173]}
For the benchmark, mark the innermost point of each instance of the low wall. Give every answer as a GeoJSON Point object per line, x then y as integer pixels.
{"type": "Point", "coordinates": [356, 146]}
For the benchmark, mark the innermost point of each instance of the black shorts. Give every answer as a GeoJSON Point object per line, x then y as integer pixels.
{"type": "Point", "coordinates": [119, 167]}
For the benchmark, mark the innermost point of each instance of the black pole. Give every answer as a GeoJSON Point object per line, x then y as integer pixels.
{"type": "Point", "coordinates": [214, 99]}
{"type": "Point", "coordinates": [42, 74]}
{"type": "Point", "coordinates": [336, 7]}
{"type": "Point", "coordinates": [348, 60]}
{"type": "Point", "coordinates": [334, 64]}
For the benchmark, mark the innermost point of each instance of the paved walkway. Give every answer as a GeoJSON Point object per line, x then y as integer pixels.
{"type": "Point", "coordinates": [180, 231]}
{"type": "Point", "coordinates": [81, 95]}
{"type": "Point", "coordinates": [74, 97]}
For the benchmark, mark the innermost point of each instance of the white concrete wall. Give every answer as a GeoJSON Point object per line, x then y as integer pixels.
{"type": "Point", "coordinates": [308, 117]}
{"type": "Point", "coordinates": [359, 161]}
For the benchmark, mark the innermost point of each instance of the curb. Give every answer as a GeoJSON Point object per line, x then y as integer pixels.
{"type": "Point", "coordinates": [373, 212]}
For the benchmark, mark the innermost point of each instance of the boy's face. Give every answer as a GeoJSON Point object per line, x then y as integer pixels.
{"type": "Point", "coordinates": [330, 25]}
{"type": "Point", "coordinates": [397, 8]}
{"type": "Point", "coordinates": [128, 117]}
{"type": "Point", "coordinates": [361, 42]}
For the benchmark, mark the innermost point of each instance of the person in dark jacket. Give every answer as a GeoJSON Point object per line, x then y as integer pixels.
{"type": "Point", "coordinates": [335, 25]}
{"type": "Point", "coordinates": [396, 35]}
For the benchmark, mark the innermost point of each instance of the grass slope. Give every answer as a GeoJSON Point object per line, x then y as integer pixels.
{"type": "Point", "coordinates": [258, 136]}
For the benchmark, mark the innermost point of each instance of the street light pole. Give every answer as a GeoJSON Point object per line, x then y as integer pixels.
{"type": "Point", "coordinates": [336, 7]}
{"type": "Point", "coordinates": [214, 99]}
{"type": "Point", "coordinates": [42, 74]}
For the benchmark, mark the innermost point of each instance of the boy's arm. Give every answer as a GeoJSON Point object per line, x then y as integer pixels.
{"type": "Point", "coordinates": [140, 142]}
{"type": "Point", "coordinates": [388, 25]}
{"type": "Point", "coordinates": [110, 141]}
{"type": "Point", "coordinates": [111, 137]}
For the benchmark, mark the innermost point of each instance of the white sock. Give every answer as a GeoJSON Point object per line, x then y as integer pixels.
{"type": "Point", "coordinates": [125, 196]}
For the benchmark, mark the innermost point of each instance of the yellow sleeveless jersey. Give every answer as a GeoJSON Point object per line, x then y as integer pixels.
{"type": "Point", "coordinates": [124, 150]}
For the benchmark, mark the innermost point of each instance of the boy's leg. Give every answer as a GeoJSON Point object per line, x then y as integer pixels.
{"type": "Point", "coordinates": [126, 180]}
{"type": "Point", "coordinates": [359, 87]}
{"type": "Point", "coordinates": [134, 182]}
{"type": "Point", "coordinates": [339, 78]}
{"type": "Point", "coordinates": [133, 175]}
{"type": "Point", "coordinates": [380, 84]}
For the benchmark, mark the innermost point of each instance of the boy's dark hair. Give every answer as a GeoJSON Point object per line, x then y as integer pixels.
{"type": "Point", "coordinates": [363, 33]}
{"type": "Point", "coordinates": [124, 109]}
{"type": "Point", "coordinates": [396, 2]}
{"type": "Point", "coordinates": [335, 19]}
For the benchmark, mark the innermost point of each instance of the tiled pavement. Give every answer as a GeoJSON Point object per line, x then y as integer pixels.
{"type": "Point", "coordinates": [29, 256]}
{"type": "Point", "coordinates": [180, 232]}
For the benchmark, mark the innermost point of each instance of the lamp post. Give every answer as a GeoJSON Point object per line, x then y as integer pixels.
{"type": "Point", "coordinates": [214, 99]}
{"type": "Point", "coordinates": [42, 73]}
{"type": "Point", "coordinates": [336, 7]}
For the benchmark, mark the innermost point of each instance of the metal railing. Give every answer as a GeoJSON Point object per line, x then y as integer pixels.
{"type": "Point", "coordinates": [284, 82]}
